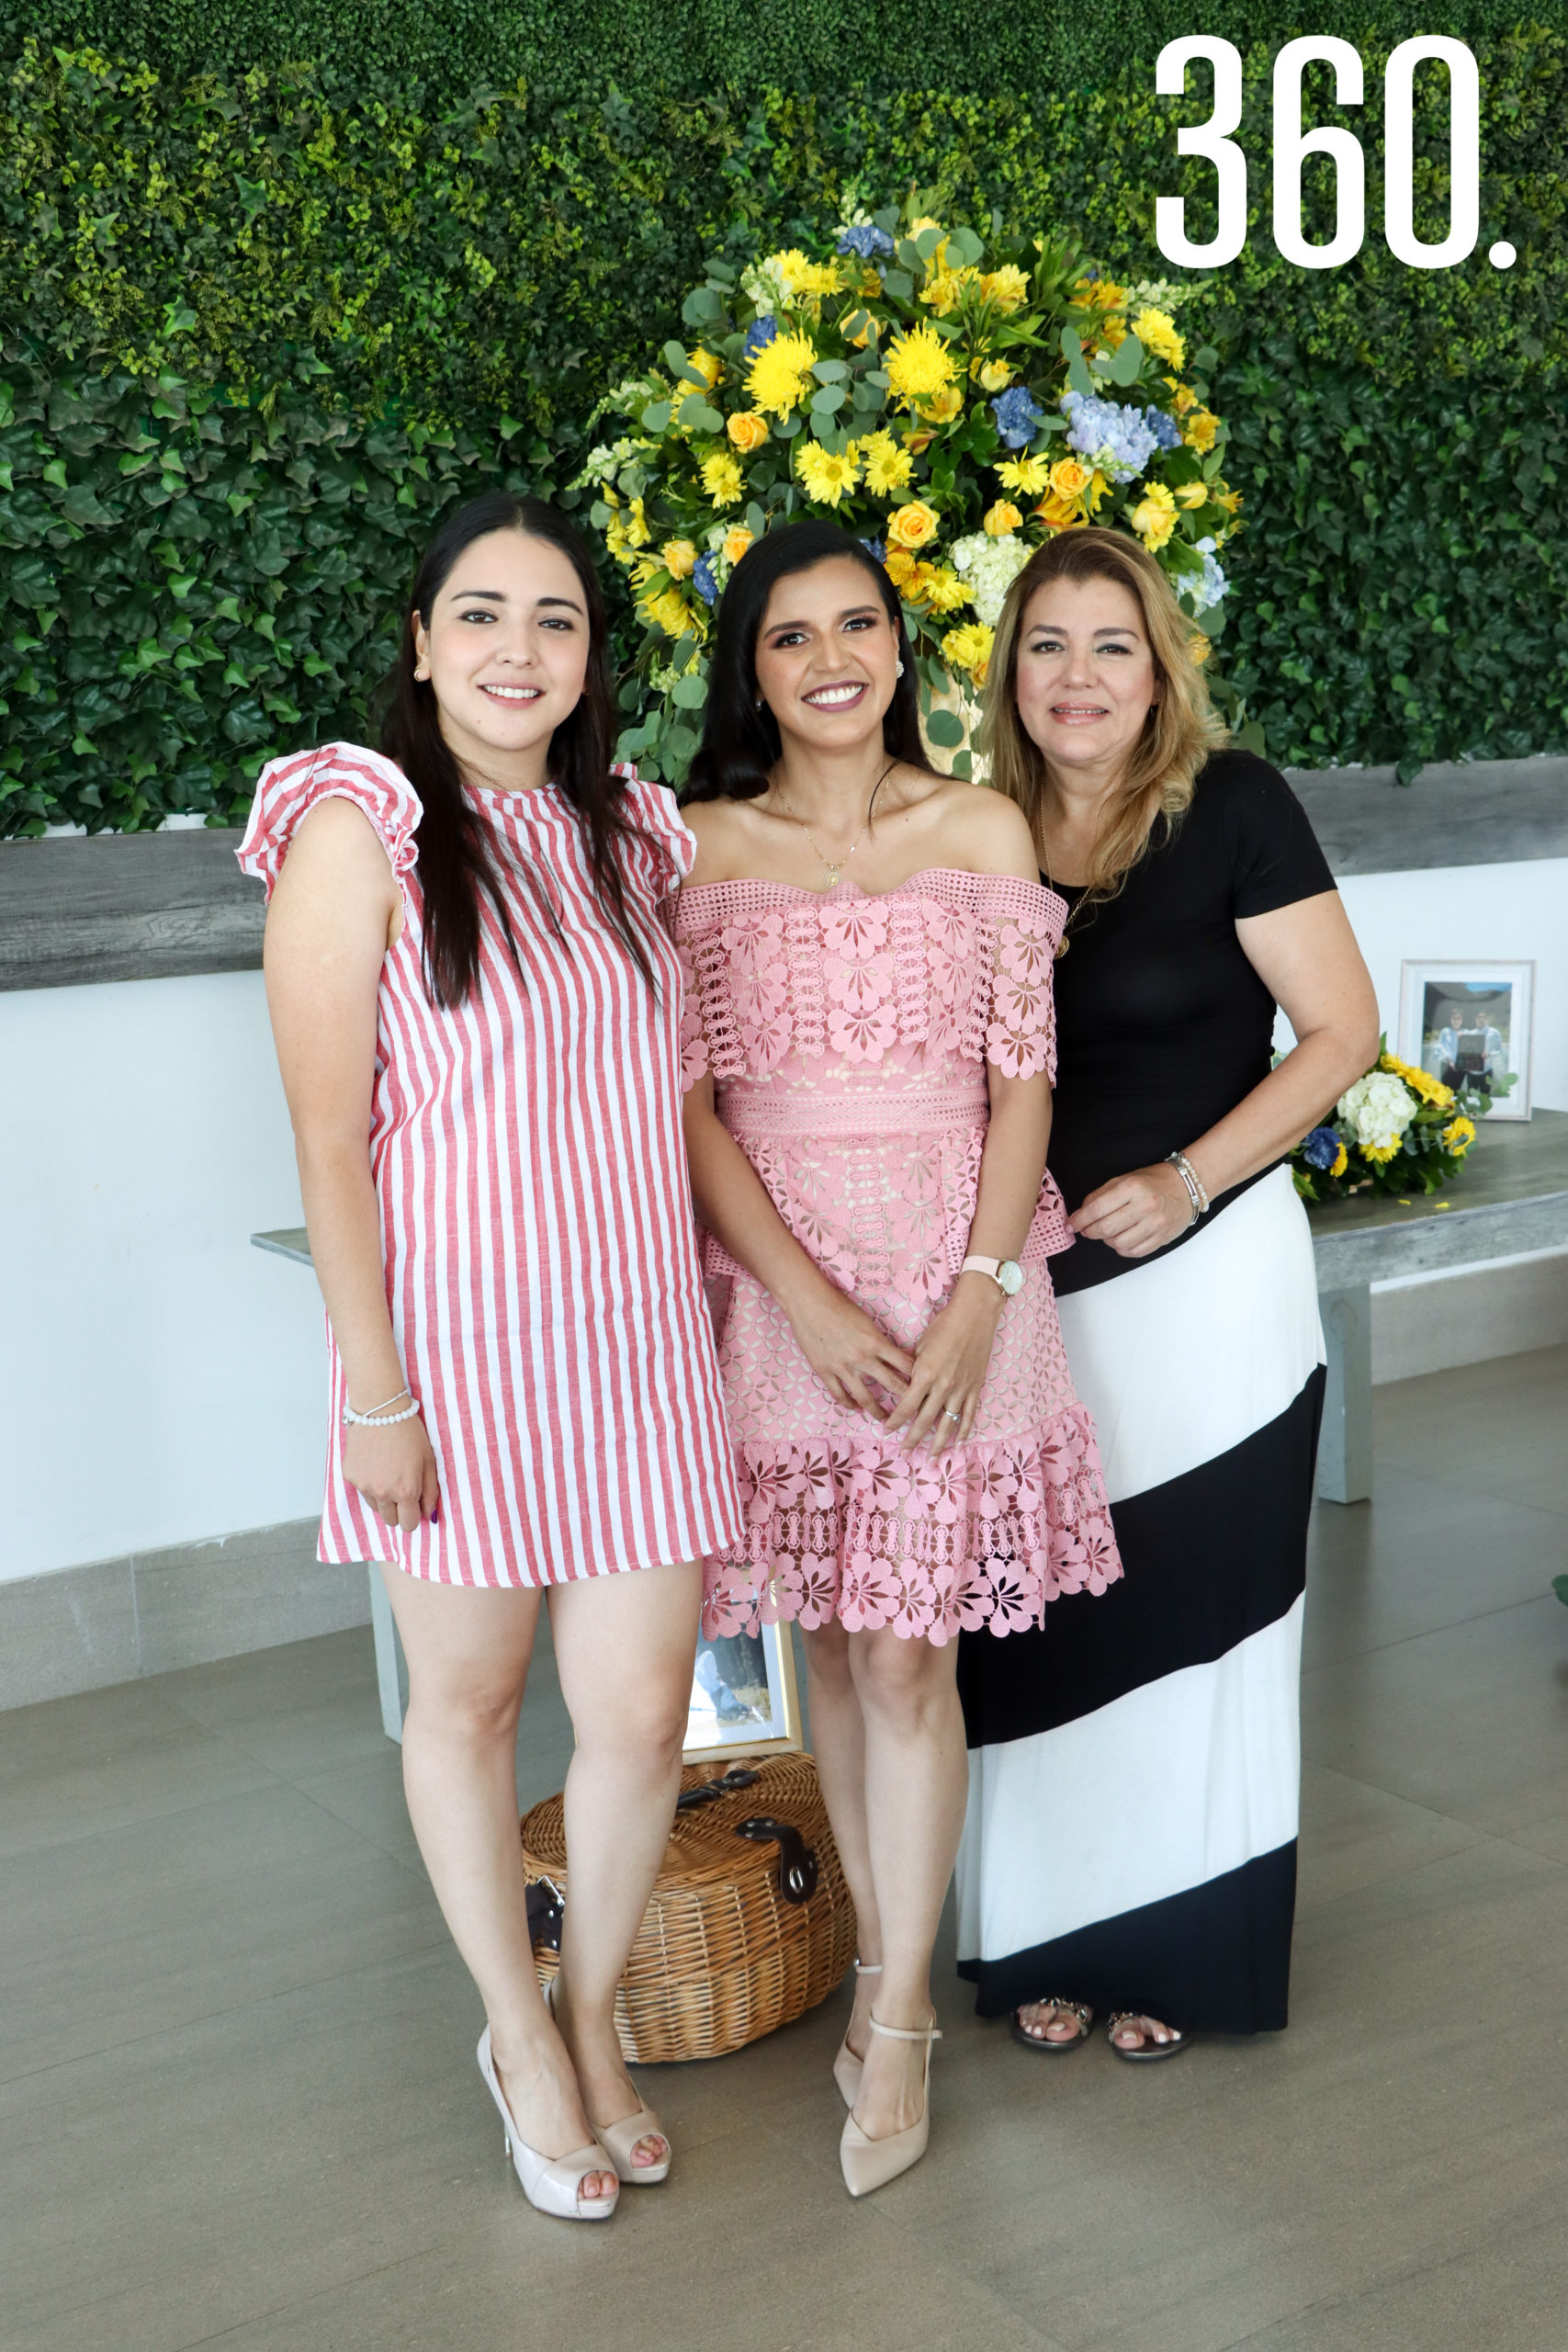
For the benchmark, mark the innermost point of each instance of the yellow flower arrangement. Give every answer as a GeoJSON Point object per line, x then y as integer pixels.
{"type": "Point", "coordinates": [721, 479]}
{"type": "Point", "coordinates": [1420, 1082]}
{"type": "Point", "coordinates": [938, 587]}
{"type": "Point", "coordinates": [827, 474]}
{"type": "Point", "coordinates": [1459, 1135]}
{"type": "Point", "coordinates": [1154, 518]}
{"type": "Point", "coordinates": [779, 376]}
{"type": "Point", "coordinates": [736, 541]}
{"type": "Point", "coordinates": [1001, 518]}
{"type": "Point", "coordinates": [1069, 479]}
{"type": "Point", "coordinates": [969, 649]}
{"type": "Point", "coordinates": [1395, 1130]}
{"type": "Point", "coordinates": [918, 366]}
{"type": "Point", "coordinates": [670, 613]}
{"type": "Point", "coordinates": [888, 468]}
{"type": "Point", "coordinates": [1060, 513]}
{"type": "Point", "coordinates": [809, 279]}
{"type": "Point", "coordinates": [913, 525]}
{"type": "Point", "coordinates": [747, 431]}
{"type": "Point", "coordinates": [637, 533]}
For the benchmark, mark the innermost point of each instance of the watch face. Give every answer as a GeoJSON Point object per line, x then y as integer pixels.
{"type": "Point", "coordinates": [1009, 1273]}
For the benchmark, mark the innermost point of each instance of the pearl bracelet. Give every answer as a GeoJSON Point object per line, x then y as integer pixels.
{"type": "Point", "coordinates": [1190, 1177]}
{"type": "Point", "coordinates": [378, 1420]}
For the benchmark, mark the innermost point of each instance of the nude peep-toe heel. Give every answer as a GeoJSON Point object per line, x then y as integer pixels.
{"type": "Point", "coordinates": [872, 2164]}
{"type": "Point", "coordinates": [621, 2138]}
{"type": "Point", "coordinates": [552, 2184]}
{"type": "Point", "coordinates": [847, 2067]}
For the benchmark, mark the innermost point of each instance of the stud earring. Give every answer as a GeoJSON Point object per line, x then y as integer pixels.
{"type": "Point", "coordinates": [421, 674]}
{"type": "Point", "coordinates": [898, 669]}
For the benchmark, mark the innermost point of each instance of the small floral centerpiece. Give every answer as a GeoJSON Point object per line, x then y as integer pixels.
{"type": "Point", "coordinates": [1398, 1129]}
{"type": "Point", "coordinates": [954, 398]}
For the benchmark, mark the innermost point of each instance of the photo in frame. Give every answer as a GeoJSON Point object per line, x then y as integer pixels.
{"type": "Point", "coordinates": [1470, 1022]}
{"type": "Point", "coordinates": [744, 1698]}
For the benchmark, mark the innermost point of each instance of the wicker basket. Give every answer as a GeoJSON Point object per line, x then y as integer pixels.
{"type": "Point", "coordinates": [743, 1932]}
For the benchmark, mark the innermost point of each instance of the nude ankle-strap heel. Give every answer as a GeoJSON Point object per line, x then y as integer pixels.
{"type": "Point", "coordinates": [872, 2164]}
{"type": "Point", "coordinates": [847, 2067]}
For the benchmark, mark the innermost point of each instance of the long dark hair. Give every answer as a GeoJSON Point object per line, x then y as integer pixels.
{"type": "Point", "coordinates": [456, 847]}
{"type": "Point", "coordinates": [740, 743]}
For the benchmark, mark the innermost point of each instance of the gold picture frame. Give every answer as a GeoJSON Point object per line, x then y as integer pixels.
{"type": "Point", "coordinates": [745, 1700]}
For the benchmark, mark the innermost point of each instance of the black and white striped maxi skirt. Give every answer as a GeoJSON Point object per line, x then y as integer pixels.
{"type": "Point", "coordinates": [1135, 1767]}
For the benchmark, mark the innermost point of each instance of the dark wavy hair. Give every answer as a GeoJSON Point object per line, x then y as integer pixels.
{"type": "Point", "coordinates": [740, 743]}
{"type": "Point", "coordinates": [456, 846]}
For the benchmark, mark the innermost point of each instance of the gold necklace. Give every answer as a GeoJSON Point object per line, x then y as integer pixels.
{"type": "Point", "coordinates": [833, 867]}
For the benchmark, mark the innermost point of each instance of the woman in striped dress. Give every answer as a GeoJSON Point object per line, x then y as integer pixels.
{"type": "Point", "coordinates": [1134, 1769]}
{"type": "Point", "coordinates": [478, 1021]}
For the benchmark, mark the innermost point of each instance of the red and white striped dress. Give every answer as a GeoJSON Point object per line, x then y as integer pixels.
{"type": "Point", "coordinates": [536, 1229]}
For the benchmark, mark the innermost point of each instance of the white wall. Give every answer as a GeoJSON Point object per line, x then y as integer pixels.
{"type": "Point", "coordinates": [1473, 910]}
{"type": "Point", "coordinates": [160, 1380]}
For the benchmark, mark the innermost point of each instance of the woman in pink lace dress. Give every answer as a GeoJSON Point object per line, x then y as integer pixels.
{"type": "Point", "coordinates": [869, 1046]}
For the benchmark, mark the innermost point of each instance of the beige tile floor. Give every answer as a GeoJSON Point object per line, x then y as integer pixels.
{"type": "Point", "coordinates": [238, 2102]}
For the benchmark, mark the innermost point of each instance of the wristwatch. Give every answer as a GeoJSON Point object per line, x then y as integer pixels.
{"type": "Point", "coordinates": [1006, 1272]}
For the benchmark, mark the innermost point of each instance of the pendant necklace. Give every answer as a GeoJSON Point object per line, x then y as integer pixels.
{"type": "Point", "coordinates": [833, 867]}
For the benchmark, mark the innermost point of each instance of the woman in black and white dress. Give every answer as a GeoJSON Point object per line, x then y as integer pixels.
{"type": "Point", "coordinates": [1135, 1767]}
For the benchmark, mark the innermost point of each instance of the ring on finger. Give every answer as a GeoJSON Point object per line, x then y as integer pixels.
{"type": "Point", "coordinates": [949, 1414]}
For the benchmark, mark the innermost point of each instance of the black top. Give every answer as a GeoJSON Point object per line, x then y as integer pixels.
{"type": "Point", "coordinates": [1162, 1023]}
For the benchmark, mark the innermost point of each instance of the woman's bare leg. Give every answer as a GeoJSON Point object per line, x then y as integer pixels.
{"type": "Point", "coordinates": [625, 1646]}
{"type": "Point", "coordinates": [467, 1652]}
{"type": "Point", "coordinates": [838, 1741]}
{"type": "Point", "coordinates": [916, 1780]}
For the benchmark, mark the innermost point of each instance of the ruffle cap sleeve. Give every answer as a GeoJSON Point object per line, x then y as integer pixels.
{"type": "Point", "coordinates": [286, 791]}
{"type": "Point", "coordinates": [663, 849]}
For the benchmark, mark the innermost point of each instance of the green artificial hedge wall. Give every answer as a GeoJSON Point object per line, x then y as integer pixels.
{"type": "Point", "coordinates": [258, 329]}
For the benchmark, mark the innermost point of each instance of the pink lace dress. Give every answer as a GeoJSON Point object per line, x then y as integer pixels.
{"type": "Point", "coordinates": [848, 1037]}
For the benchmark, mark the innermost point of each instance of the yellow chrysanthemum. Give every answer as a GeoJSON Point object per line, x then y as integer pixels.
{"type": "Point", "coordinates": [707, 365]}
{"type": "Point", "coordinates": [779, 376]}
{"type": "Point", "coordinates": [827, 474]}
{"type": "Point", "coordinates": [670, 613]}
{"type": "Point", "coordinates": [1156, 330]}
{"type": "Point", "coordinates": [1098, 294]}
{"type": "Point", "coordinates": [1459, 1135]}
{"type": "Point", "coordinates": [807, 278]}
{"type": "Point", "coordinates": [969, 649]}
{"type": "Point", "coordinates": [900, 566]}
{"type": "Point", "coordinates": [918, 366]}
{"type": "Point", "coordinates": [747, 431]}
{"type": "Point", "coordinates": [942, 289]}
{"type": "Point", "coordinates": [1201, 428]}
{"type": "Point", "coordinates": [912, 526]}
{"type": "Point", "coordinates": [721, 479]}
{"type": "Point", "coordinates": [638, 532]}
{"type": "Point", "coordinates": [1028, 475]}
{"type": "Point", "coordinates": [1420, 1082]}
{"type": "Point", "coordinates": [1192, 494]}
{"type": "Point", "coordinates": [617, 541]}
{"type": "Point", "coordinates": [1380, 1152]}
{"type": "Point", "coordinates": [1069, 480]}
{"type": "Point", "coordinates": [1154, 518]}
{"type": "Point", "coordinates": [942, 407]}
{"type": "Point", "coordinates": [1007, 287]}
{"type": "Point", "coordinates": [737, 540]}
{"type": "Point", "coordinates": [1341, 1161]}
{"type": "Point", "coordinates": [942, 591]}
{"type": "Point", "coordinates": [888, 468]}
{"type": "Point", "coordinates": [678, 557]}
{"type": "Point", "coordinates": [1001, 518]}
{"type": "Point", "coordinates": [991, 374]}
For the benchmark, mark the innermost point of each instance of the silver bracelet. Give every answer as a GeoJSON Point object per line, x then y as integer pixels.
{"type": "Point", "coordinates": [379, 1421]}
{"type": "Point", "coordinates": [1188, 1175]}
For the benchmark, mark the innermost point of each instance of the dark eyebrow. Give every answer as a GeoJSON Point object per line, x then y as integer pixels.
{"type": "Point", "coordinates": [497, 596]}
{"type": "Point", "coordinates": [850, 613]}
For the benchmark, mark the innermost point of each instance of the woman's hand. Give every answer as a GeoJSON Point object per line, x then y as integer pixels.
{"type": "Point", "coordinates": [1136, 1215]}
{"type": "Point", "coordinates": [953, 1356]}
{"type": "Point", "coordinates": [846, 1350]}
{"type": "Point", "coordinates": [394, 1469]}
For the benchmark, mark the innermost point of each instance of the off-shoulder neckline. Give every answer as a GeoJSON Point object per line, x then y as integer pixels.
{"type": "Point", "coordinates": [804, 889]}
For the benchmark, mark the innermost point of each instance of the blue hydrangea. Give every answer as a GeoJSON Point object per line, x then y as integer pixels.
{"type": "Point", "coordinates": [704, 580]}
{"type": "Point", "coordinates": [1321, 1149]}
{"type": "Point", "coordinates": [875, 550]}
{"type": "Point", "coordinates": [1214, 584]}
{"type": "Point", "coordinates": [1117, 439]}
{"type": "Point", "coordinates": [867, 240]}
{"type": "Point", "coordinates": [1166, 430]}
{"type": "Point", "coordinates": [759, 334]}
{"type": "Point", "coordinates": [1017, 415]}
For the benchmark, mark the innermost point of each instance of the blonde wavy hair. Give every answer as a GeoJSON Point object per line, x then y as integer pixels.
{"type": "Point", "coordinates": [1180, 731]}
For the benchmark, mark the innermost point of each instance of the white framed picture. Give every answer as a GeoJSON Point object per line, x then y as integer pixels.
{"type": "Point", "coordinates": [1469, 1024]}
{"type": "Point", "coordinates": [744, 1701]}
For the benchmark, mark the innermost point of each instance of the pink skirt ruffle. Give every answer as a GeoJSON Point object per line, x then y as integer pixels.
{"type": "Point", "coordinates": [981, 1535]}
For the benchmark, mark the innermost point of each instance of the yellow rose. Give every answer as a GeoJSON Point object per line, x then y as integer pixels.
{"type": "Point", "coordinates": [737, 538]}
{"type": "Point", "coordinates": [912, 526]}
{"type": "Point", "coordinates": [747, 431]}
{"type": "Point", "coordinates": [678, 556]}
{"type": "Point", "coordinates": [1154, 518]}
{"type": "Point", "coordinates": [1202, 427]}
{"type": "Point", "coordinates": [1000, 518]}
{"type": "Point", "coordinates": [995, 374]}
{"type": "Point", "coordinates": [1068, 479]}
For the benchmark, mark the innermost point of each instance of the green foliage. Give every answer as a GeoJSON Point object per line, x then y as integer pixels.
{"type": "Point", "coordinates": [324, 260]}
{"type": "Point", "coordinates": [194, 587]}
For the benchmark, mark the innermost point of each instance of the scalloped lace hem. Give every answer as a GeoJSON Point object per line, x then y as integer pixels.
{"type": "Point", "coordinates": [980, 1537]}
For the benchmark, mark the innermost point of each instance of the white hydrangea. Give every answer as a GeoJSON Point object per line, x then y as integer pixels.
{"type": "Point", "coordinates": [1379, 1107]}
{"type": "Point", "coordinates": [762, 283]}
{"type": "Point", "coordinates": [987, 568]}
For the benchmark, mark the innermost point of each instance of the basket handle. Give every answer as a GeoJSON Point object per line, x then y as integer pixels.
{"type": "Point", "coordinates": [797, 1863]}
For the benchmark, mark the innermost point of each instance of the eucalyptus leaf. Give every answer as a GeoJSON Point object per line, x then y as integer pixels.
{"type": "Point", "coordinates": [899, 285]}
{"type": "Point", "coordinates": [829, 371]}
{"type": "Point", "coordinates": [945, 728]}
{"type": "Point", "coordinates": [656, 417]}
{"type": "Point", "coordinates": [828, 401]}
{"type": "Point", "coordinates": [675, 357]}
{"type": "Point", "coordinates": [1126, 361]}
{"type": "Point", "coordinates": [690, 692]}
{"type": "Point", "coordinates": [963, 765]}
{"type": "Point", "coordinates": [790, 427]}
